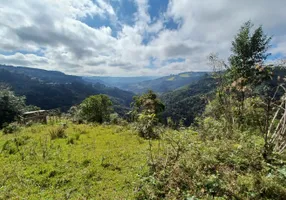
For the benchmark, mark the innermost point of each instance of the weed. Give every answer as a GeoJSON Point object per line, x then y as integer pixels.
{"type": "Point", "coordinates": [70, 140]}
{"type": "Point", "coordinates": [58, 132]}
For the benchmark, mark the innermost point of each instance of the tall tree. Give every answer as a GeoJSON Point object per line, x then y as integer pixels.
{"type": "Point", "coordinates": [249, 49]}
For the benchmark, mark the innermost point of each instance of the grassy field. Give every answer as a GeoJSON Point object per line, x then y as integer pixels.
{"type": "Point", "coordinates": [91, 162]}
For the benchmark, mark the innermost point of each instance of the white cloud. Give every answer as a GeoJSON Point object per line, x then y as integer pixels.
{"type": "Point", "coordinates": [55, 29]}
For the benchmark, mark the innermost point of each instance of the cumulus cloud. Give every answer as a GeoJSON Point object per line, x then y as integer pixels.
{"type": "Point", "coordinates": [54, 35]}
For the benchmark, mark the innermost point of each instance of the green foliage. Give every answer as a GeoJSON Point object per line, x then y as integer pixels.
{"type": "Point", "coordinates": [146, 111]}
{"type": "Point", "coordinates": [11, 128]}
{"type": "Point", "coordinates": [11, 106]}
{"type": "Point", "coordinates": [74, 113]}
{"type": "Point", "coordinates": [116, 119]}
{"type": "Point", "coordinates": [249, 49]}
{"type": "Point", "coordinates": [58, 132]}
{"type": "Point", "coordinates": [215, 162]}
{"type": "Point", "coordinates": [146, 126]}
{"type": "Point", "coordinates": [189, 167]}
{"type": "Point", "coordinates": [147, 104]}
{"type": "Point", "coordinates": [248, 92]}
{"type": "Point", "coordinates": [96, 108]}
{"type": "Point", "coordinates": [187, 103]}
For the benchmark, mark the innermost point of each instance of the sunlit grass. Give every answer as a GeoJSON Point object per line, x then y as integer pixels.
{"type": "Point", "coordinates": [98, 162]}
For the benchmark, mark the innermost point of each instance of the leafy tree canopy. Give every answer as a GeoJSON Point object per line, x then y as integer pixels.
{"type": "Point", "coordinates": [147, 104]}
{"type": "Point", "coordinates": [249, 50]}
{"type": "Point", "coordinates": [11, 106]}
{"type": "Point", "coordinates": [96, 108]}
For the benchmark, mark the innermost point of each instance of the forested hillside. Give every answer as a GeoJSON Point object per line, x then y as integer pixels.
{"type": "Point", "coordinates": [42, 75]}
{"type": "Point", "coordinates": [50, 90]}
{"type": "Point", "coordinates": [185, 104]}
{"type": "Point", "coordinates": [166, 83]}
{"type": "Point", "coordinates": [119, 82]}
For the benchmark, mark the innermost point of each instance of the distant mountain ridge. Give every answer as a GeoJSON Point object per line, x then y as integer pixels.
{"type": "Point", "coordinates": [51, 89]}
{"type": "Point", "coordinates": [42, 75]}
{"type": "Point", "coordinates": [120, 82]}
{"type": "Point", "coordinates": [142, 84]}
{"type": "Point", "coordinates": [166, 83]}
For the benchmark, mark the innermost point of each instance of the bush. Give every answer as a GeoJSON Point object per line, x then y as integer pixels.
{"type": "Point", "coordinates": [11, 128]}
{"type": "Point", "coordinates": [189, 167]}
{"type": "Point", "coordinates": [146, 126]}
{"type": "Point", "coordinates": [96, 108]}
{"type": "Point", "coordinates": [58, 132]}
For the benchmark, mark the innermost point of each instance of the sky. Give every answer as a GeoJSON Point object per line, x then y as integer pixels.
{"type": "Point", "coordinates": [130, 37]}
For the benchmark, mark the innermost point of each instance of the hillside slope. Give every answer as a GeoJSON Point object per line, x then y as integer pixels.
{"type": "Point", "coordinates": [120, 82]}
{"type": "Point", "coordinates": [42, 75]}
{"type": "Point", "coordinates": [92, 162]}
{"type": "Point", "coordinates": [50, 90]}
{"type": "Point", "coordinates": [166, 83]}
{"type": "Point", "coordinates": [188, 102]}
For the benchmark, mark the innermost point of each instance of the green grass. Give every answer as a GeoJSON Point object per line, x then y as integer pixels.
{"type": "Point", "coordinates": [92, 162]}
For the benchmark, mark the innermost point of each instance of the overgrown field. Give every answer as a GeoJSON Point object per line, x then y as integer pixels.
{"type": "Point", "coordinates": [113, 162]}
{"type": "Point", "coordinates": [79, 162]}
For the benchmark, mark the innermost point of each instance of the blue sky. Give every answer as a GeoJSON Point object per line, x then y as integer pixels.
{"type": "Point", "coordinates": [130, 37]}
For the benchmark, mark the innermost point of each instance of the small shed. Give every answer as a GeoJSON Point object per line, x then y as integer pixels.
{"type": "Point", "coordinates": [35, 116]}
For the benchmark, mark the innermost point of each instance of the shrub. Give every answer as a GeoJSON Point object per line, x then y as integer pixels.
{"type": "Point", "coordinates": [146, 126]}
{"type": "Point", "coordinates": [189, 167]}
{"type": "Point", "coordinates": [11, 128]}
{"type": "Point", "coordinates": [114, 118]}
{"type": "Point", "coordinates": [58, 132]}
{"type": "Point", "coordinates": [96, 108]}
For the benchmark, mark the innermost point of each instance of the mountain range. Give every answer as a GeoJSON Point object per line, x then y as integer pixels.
{"type": "Point", "coordinates": [52, 89]}
{"type": "Point", "coordinates": [140, 85]}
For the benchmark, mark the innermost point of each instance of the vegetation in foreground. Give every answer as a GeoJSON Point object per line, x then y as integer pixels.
{"type": "Point", "coordinates": [77, 162]}
{"type": "Point", "coordinates": [189, 166]}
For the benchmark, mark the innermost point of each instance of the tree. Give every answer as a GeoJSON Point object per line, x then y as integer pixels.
{"type": "Point", "coordinates": [147, 104]}
{"type": "Point", "coordinates": [248, 50]}
{"type": "Point", "coordinates": [146, 110]}
{"type": "Point", "coordinates": [96, 108]}
{"type": "Point", "coordinates": [11, 106]}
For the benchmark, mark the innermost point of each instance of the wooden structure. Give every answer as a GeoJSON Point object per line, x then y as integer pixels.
{"type": "Point", "coordinates": [39, 116]}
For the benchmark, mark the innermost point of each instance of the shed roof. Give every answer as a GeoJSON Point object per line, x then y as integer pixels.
{"type": "Point", "coordinates": [33, 112]}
